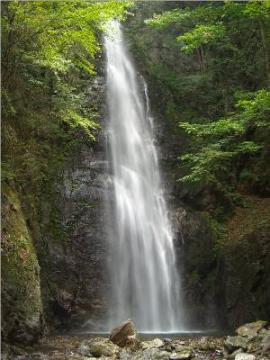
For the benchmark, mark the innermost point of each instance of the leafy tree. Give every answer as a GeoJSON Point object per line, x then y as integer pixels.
{"type": "Point", "coordinates": [229, 41]}
{"type": "Point", "coordinates": [48, 57]}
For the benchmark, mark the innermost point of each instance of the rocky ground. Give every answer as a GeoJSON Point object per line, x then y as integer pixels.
{"type": "Point", "coordinates": [251, 342]}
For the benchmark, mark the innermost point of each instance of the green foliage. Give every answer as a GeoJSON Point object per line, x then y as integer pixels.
{"type": "Point", "coordinates": [203, 165]}
{"type": "Point", "coordinates": [77, 121]}
{"type": "Point", "coordinates": [224, 140]}
{"type": "Point", "coordinates": [257, 9]}
{"type": "Point", "coordinates": [201, 35]}
{"type": "Point", "coordinates": [161, 21]}
{"type": "Point", "coordinates": [215, 128]}
{"type": "Point", "coordinates": [220, 87]}
{"type": "Point", "coordinates": [255, 108]}
{"type": "Point", "coordinates": [48, 57]}
{"type": "Point", "coordinates": [219, 232]}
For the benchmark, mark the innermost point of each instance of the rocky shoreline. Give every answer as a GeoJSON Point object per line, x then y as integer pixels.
{"type": "Point", "coordinates": [250, 342]}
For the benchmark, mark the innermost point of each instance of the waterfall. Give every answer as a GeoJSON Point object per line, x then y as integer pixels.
{"type": "Point", "coordinates": [144, 279]}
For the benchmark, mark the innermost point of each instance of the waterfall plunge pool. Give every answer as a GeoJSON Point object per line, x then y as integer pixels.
{"type": "Point", "coordinates": [161, 335]}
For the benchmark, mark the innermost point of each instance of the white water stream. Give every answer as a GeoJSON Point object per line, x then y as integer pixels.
{"type": "Point", "coordinates": [144, 280]}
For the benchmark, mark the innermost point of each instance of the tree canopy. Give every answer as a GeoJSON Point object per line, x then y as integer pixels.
{"type": "Point", "coordinates": [230, 43]}
{"type": "Point", "coordinates": [48, 58]}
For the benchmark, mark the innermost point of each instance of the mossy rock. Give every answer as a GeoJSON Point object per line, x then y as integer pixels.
{"type": "Point", "coordinates": [21, 297]}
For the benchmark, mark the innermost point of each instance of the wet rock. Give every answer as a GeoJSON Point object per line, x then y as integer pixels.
{"type": "Point", "coordinates": [168, 345]}
{"type": "Point", "coordinates": [155, 354]}
{"type": "Point", "coordinates": [125, 355]}
{"type": "Point", "coordinates": [98, 347]}
{"type": "Point", "coordinates": [156, 343]}
{"type": "Point", "coordinates": [250, 330]}
{"type": "Point", "coordinates": [218, 352]}
{"type": "Point", "coordinates": [34, 356]}
{"type": "Point", "coordinates": [181, 355]}
{"type": "Point", "coordinates": [244, 356]}
{"type": "Point", "coordinates": [39, 356]}
{"type": "Point", "coordinates": [183, 348]}
{"type": "Point", "coordinates": [84, 349]}
{"type": "Point", "coordinates": [190, 227]}
{"type": "Point", "coordinates": [235, 342]}
{"type": "Point", "coordinates": [167, 340]}
{"type": "Point", "coordinates": [266, 344]}
{"type": "Point", "coordinates": [124, 335]}
{"type": "Point", "coordinates": [132, 342]}
{"type": "Point", "coordinates": [178, 344]}
{"type": "Point", "coordinates": [203, 343]}
{"type": "Point", "coordinates": [149, 354]}
{"type": "Point", "coordinates": [233, 355]}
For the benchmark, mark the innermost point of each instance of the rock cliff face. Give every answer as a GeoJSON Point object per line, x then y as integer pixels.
{"type": "Point", "coordinates": [246, 275]}
{"type": "Point", "coordinates": [54, 248]}
{"type": "Point", "coordinates": [75, 268]}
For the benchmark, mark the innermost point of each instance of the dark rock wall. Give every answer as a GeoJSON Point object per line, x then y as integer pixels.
{"type": "Point", "coordinates": [246, 277]}
{"type": "Point", "coordinates": [22, 312]}
{"type": "Point", "coordinates": [54, 247]}
{"type": "Point", "coordinates": [74, 272]}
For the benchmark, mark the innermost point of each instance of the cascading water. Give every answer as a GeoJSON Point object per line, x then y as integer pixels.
{"type": "Point", "coordinates": [144, 279]}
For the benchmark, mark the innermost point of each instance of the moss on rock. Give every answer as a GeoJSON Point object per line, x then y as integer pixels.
{"type": "Point", "coordinates": [21, 298]}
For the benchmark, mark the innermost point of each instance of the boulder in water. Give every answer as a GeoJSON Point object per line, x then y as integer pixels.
{"type": "Point", "coordinates": [124, 335]}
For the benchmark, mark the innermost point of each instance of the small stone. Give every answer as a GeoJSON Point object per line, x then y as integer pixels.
{"type": "Point", "coordinates": [251, 330]}
{"type": "Point", "coordinates": [122, 334]}
{"type": "Point", "coordinates": [244, 356]}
